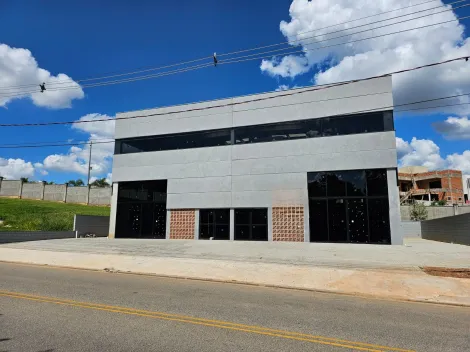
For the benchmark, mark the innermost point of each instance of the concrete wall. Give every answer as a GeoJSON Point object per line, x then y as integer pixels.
{"type": "Point", "coordinates": [99, 196]}
{"type": "Point", "coordinates": [455, 229]}
{"type": "Point", "coordinates": [435, 212]}
{"type": "Point", "coordinates": [77, 195]}
{"type": "Point", "coordinates": [32, 190]}
{"type": "Point", "coordinates": [11, 237]}
{"type": "Point", "coordinates": [411, 228]}
{"type": "Point", "coordinates": [254, 175]}
{"type": "Point", "coordinates": [56, 193]}
{"type": "Point", "coordinates": [355, 97]}
{"type": "Point", "coordinates": [10, 188]}
{"type": "Point", "coordinates": [97, 225]}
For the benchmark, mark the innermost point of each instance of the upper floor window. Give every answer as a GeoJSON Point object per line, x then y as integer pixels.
{"type": "Point", "coordinates": [282, 131]}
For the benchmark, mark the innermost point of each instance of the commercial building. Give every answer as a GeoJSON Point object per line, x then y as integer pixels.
{"type": "Point", "coordinates": [312, 164]}
{"type": "Point", "coordinates": [418, 183]}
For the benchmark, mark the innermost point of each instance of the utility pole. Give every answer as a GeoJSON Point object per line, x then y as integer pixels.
{"type": "Point", "coordinates": [89, 164]}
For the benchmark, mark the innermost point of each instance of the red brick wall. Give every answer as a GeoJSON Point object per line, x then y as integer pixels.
{"type": "Point", "coordinates": [288, 223]}
{"type": "Point", "coordinates": [455, 186]}
{"type": "Point", "coordinates": [182, 224]}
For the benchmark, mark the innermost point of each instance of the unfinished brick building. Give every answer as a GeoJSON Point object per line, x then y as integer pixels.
{"type": "Point", "coordinates": [417, 183]}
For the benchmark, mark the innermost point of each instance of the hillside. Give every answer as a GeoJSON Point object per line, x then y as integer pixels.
{"type": "Point", "coordinates": [39, 215]}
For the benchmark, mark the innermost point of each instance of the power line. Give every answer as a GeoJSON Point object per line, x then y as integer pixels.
{"type": "Point", "coordinates": [235, 60]}
{"type": "Point", "coordinates": [20, 146]}
{"type": "Point", "coordinates": [12, 146]}
{"type": "Point", "coordinates": [242, 102]}
{"type": "Point", "coordinates": [362, 25]}
{"type": "Point", "coordinates": [252, 49]}
{"type": "Point", "coordinates": [191, 68]}
{"type": "Point", "coordinates": [377, 14]}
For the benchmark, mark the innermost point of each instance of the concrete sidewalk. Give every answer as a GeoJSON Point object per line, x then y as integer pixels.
{"type": "Point", "coordinates": [369, 270]}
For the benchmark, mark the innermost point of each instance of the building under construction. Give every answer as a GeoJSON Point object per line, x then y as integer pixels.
{"type": "Point", "coordinates": [417, 183]}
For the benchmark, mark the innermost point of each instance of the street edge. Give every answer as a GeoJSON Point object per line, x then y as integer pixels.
{"type": "Point", "coordinates": [237, 282]}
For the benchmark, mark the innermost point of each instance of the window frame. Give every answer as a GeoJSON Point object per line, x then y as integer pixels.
{"type": "Point", "coordinates": [230, 133]}
{"type": "Point", "coordinates": [251, 224]}
{"type": "Point", "coordinates": [214, 224]}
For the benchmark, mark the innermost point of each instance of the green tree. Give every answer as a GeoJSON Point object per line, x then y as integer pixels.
{"type": "Point", "coordinates": [49, 182]}
{"type": "Point", "coordinates": [101, 182]}
{"type": "Point", "coordinates": [25, 179]}
{"type": "Point", "coordinates": [418, 211]}
{"type": "Point", "coordinates": [76, 183]}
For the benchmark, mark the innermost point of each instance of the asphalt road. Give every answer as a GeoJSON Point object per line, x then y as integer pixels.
{"type": "Point", "coordinates": [51, 309]}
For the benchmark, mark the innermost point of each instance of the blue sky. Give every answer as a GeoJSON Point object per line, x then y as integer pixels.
{"type": "Point", "coordinates": [90, 40]}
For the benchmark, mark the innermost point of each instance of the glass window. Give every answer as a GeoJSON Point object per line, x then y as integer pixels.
{"type": "Point", "coordinates": [353, 124]}
{"type": "Point", "coordinates": [357, 220]}
{"type": "Point", "coordinates": [176, 141]}
{"type": "Point", "coordinates": [251, 224]}
{"type": "Point", "coordinates": [311, 128]}
{"type": "Point", "coordinates": [214, 223]}
{"type": "Point", "coordinates": [349, 206]}
{"type": "Point", "coordinates": [141, 209]}
{"type": "Point", "coordinates": [335, 184]}
{"type": "Point", "coordinates": [278, 132]}
{"type": "Point", "coordinates": [316, 184]}
{"type": "Point", "coordinates": [318, 220]}
{"type": "Point", "coordinates": [151, 191]}
{"type": "Point", "coordinates": [379, 220]}
{"type": "Point", "coordinates": [377, 182]}
{"type": "Point", "coordinates": [355, 182]}
{"type": "Point", "coordinates": [337, 220]}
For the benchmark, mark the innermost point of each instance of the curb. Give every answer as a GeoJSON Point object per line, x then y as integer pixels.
{"type": "Point", "coordinates": [245, 283]}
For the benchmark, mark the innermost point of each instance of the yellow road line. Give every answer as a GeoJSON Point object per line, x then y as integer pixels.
{"type": "Point", "coordinates": [207, 322]}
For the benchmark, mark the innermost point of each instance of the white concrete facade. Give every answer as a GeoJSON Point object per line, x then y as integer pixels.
{"type": "Point", "coordinates": [260, 174]}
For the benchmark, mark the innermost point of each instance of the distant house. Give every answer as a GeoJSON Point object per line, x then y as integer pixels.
{"type": "Point", "coordinates": [417, 183]}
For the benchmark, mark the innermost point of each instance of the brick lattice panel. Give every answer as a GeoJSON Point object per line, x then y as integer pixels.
{"type": "Point", "coordinates": [182, 224]}
{"type": "Point", "coordinates": [288, 223]}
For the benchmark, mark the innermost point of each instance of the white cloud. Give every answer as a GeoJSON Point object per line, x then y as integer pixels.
{"type": "Point", "coordinates": [454, 128]}
{"type": "Point", "coordinates": [14, 169]}
{"type": "Point", "coordinates": [18, 67]}
{"type": "Point", "coordinates": [403, 147]}
{"type": "Point", "coordinates": [283, 87]}
{"type": "Point", "coordinates": [381, 55]}
{"type": "Point", "coordinates": [105, 129]}
{"type": "Point", "coordinates": [424, 152]}
{"type": "Point", "coordinates": [76, 160]}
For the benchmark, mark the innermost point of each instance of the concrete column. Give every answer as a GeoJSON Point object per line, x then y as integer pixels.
{"type": "Point", "coordinates": [306, 222]}
{"type": "Point", "coordinates": [112, 216]}
{"type": "Point", "coordinates": [65, 193]}
{"type": "Point", "coordinates": [394, 205]}
{"type": "Point", "coordinates": [196, 224]}
{"type": "Point", "coordinates": [168, 224]}
{"type": "Point", "coordinates": [20, 191]}
{"type": "Point", "coordinates": [270, 224]}
{"type": "Point", "coordinates": [43, 190]}
{"type": "Point", "coordinates": [88, 195]}
{"type": "Point", "coordinates": [232, 224]}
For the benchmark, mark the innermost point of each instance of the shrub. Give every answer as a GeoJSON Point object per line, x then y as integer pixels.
{"type": "Point", "coordinates": [418, 211]}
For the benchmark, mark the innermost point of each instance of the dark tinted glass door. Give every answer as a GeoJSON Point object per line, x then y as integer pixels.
{"type": "Point", "coordinates": [318, 220]}
{"type": "Point", "coordinates": [357, 220]}
{"type": "Point", "coordinates": [337, 220]}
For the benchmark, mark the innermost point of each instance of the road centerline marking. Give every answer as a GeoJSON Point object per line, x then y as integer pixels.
{"type": "Point", "coordinates": [207, 322]}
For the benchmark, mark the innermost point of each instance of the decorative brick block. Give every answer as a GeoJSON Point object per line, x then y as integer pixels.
{"type": "Point", "coordinates": [288, 223]}
{"type": "Point", "coordinates": [182, 224]}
